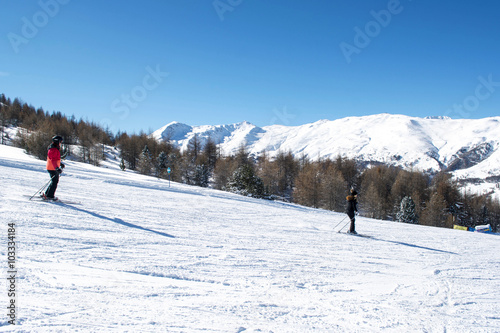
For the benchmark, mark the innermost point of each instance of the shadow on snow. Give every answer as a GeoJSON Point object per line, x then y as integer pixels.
{"type": "Point", "coordinates": [118, 221]}
{"type": "Point", "coordinates": [413, 245]}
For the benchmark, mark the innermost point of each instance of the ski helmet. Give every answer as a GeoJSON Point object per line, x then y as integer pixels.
{"type": "Point", "coordinates": [57, 139]}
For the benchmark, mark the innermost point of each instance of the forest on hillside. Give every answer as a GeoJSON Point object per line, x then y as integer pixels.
{"type": "Point", "coordinates": [385, 192]}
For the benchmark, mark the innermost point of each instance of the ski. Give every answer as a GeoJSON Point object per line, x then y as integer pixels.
{"type": "Point", "coordinates": [41, 199]}
{"type": "Point", "coordinates": [356, 234]}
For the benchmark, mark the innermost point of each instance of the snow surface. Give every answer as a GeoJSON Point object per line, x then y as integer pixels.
{"type": "Point", "coordinates": [128, 253]}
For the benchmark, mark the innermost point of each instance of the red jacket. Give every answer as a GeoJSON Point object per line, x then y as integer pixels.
{"type": "Point", "coordinates": [53, 158]}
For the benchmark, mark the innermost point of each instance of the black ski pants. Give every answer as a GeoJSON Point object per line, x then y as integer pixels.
{"type": "Point", "coordinates": [351, 215]}
{"type": "Point", "coordinates": [51, 190]}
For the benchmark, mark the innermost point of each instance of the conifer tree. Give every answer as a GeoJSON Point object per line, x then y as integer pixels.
{"type": "Point", "coordinates": [146, 161]}
{"type": "Point", "coordinates": [407, 213]}
{"type": "Point", "coordinates": [245, 182]}
{"type": "Point", "coordinates": [201, 175]}
{"type": "Point", "coordinates": [3, 119]}
{"type": "Point", "coordinates": [161, 164]}
{"type": "Point", "coordinates": [210, 154]}
{"type": "Point", "coordinates": [287, 170]}
{"type": "Point", "coordinates": [122, 164]}
{"type": "Point", "coordinates": [194, 149]}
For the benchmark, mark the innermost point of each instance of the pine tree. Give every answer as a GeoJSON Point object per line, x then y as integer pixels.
{"type": "Point", "coordinates": [245, 182]}
{"type": "Point", "coordinates": [161, 164]}
{"type": "Point", "coordinates": [194, 148]}
{"type": "Point", "coordinates": [15, 112]}
{"type": "Point", "coordinates": [174, 164]}
{"type": "Point", "coordinates": [210, 154]}
{"type": "Point", "coordinates": [267, 171]}
{"type": "Point", "coordinates": [287, 170]}
{"type": "Point", "coordinates": [407, 213]}
{"type": "Point", "coordinates": [145, 161]}
{"type": "Point", "coordinates": [3, 119]}
{"type": "Point", "coordinates": [122, 164]}
{"type": "Point", "coordinates": [201, 175]}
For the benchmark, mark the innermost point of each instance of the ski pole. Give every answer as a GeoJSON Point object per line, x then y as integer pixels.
{"type": "Point", "coordinates": [345, 225]}
{"type": "Point", "coordinates": [339, 223]}
{"type": "Point", "coordinates": [44, 186]}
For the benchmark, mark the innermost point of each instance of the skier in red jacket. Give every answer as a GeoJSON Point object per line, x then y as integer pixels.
{"type": "Point", "coordinates": [54, 167]}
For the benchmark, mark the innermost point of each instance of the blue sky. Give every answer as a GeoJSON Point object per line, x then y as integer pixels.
{"type": "Point", "coordinates": [138, 65]}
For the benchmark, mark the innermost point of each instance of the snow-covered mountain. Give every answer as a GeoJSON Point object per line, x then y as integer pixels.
{"type": "Point", "coordinates": [467, 147]}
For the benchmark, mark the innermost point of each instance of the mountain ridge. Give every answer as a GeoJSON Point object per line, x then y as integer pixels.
{"type": "Point", "coordinates": [469, 148]}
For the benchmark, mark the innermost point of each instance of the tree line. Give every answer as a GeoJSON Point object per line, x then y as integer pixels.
{"type": "Point", "coordinates": [385, 192]}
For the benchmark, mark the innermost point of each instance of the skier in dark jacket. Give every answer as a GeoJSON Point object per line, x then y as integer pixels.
{"type": "Point", "coordinates": [352, 209]}
{"type": "Point", "coordinates": [54, 167]}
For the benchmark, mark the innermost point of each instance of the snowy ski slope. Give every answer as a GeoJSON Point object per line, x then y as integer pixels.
{"type": "Point", "coordinates": [131, 254]}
